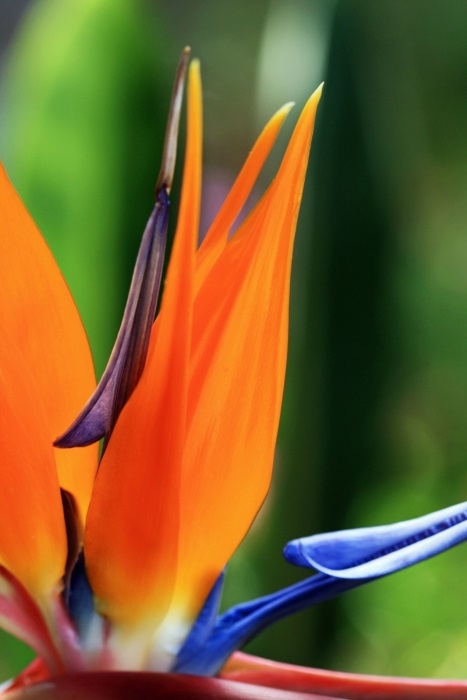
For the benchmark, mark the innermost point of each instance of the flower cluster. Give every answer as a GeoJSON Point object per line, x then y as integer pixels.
{"type": "Point", "coordinates": [117, 562]}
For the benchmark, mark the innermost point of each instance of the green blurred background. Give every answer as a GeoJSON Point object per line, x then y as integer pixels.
{"type": "Point", "coordinates": [376, 397]}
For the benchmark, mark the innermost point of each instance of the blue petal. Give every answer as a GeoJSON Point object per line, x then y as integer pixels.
{"type": "Point", "coordinates": [242, 622]}
{"type": "Point", "coordinates": [345, 559]}
{"type": "Point", "coordinates": [204, 625]}
{"type": "Point", "coordinates": [376, 551]}
{"type": "Point", "coordinates": [80, 599]}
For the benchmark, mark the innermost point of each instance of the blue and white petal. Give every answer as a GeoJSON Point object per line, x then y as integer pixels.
{"type": "Point", "coordinates": [377, 551]}
{"type": "Point", "coordinates": [345, 560]}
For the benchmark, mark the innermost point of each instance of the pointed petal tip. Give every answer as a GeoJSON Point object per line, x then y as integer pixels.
{"type": "Point", "coordinates": [313, 100]}
{"type": "Point", "coordinates": [195, 67]}
{"type": "Point", "coordinates": [319, 91]}
{"type": "Point", "coordinates": [282, 112]}
{"type": "Point", "coordinates": [312, 103]}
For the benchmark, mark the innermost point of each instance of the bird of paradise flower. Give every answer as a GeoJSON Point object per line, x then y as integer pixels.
{"type": "Point", "coordinates": [117, 564]}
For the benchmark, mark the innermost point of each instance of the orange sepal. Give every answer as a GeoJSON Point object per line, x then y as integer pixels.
{"type": "Point", "coordinates": [32, 534]}
{"type": "Point", "coordinates": [216, 238]}
{"type": "Point", "coordinates": [40, 316]}
{"type": "Point", "coordinates": [237, 369]}
{"type": "Point", "coordinates": [132, 528]}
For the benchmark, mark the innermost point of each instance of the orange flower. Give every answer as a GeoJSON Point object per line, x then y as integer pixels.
{"type": "Point", "coordinates": [188, 452]}
{"type": "Point", "coordinates": [188, 408]}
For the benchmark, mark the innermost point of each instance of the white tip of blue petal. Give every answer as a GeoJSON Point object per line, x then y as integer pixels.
{"type": "Point", "coordinates": [377, 551]}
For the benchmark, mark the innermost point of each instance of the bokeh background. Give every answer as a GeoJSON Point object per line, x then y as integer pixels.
{"type": "Point", "coordinates": [375, 408]}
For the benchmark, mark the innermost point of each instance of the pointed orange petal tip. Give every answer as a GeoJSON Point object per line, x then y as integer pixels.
{"type": "Point", "coordinates": [280, 115]}
{"type": "Point", "coordinates": [216, 238]}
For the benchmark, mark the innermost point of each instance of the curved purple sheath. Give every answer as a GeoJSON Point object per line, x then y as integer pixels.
{"type": "Point", "coordinates": [128, 357]}
{"type": "Point", "coordinates": [126, 363]}
{"type": "Point", "coordinates": [377, 551]}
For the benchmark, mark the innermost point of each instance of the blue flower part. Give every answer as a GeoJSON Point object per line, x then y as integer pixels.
{"type": "Point", "coordinates": [377, 551]}
{"type": "Point", "coordinates": [203, 626]}
{"type": "Point", "coordinates": [80, 599]}
{"type": "Point", "coordinates": [345, 559]}
{"type": "Point", "coordinates": [239, 624]}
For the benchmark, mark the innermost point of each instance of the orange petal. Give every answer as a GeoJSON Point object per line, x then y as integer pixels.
{"type": "Point", "coordinates": [237, 366]}
{"type": "Point", "coordinates": [216, 238]}
{"type": "Point", "coordinates": [37, 310]}
{"type": "Point", "coordinates": [132, 528]}
{"type": "Point", "coordinates": [32, 533]}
